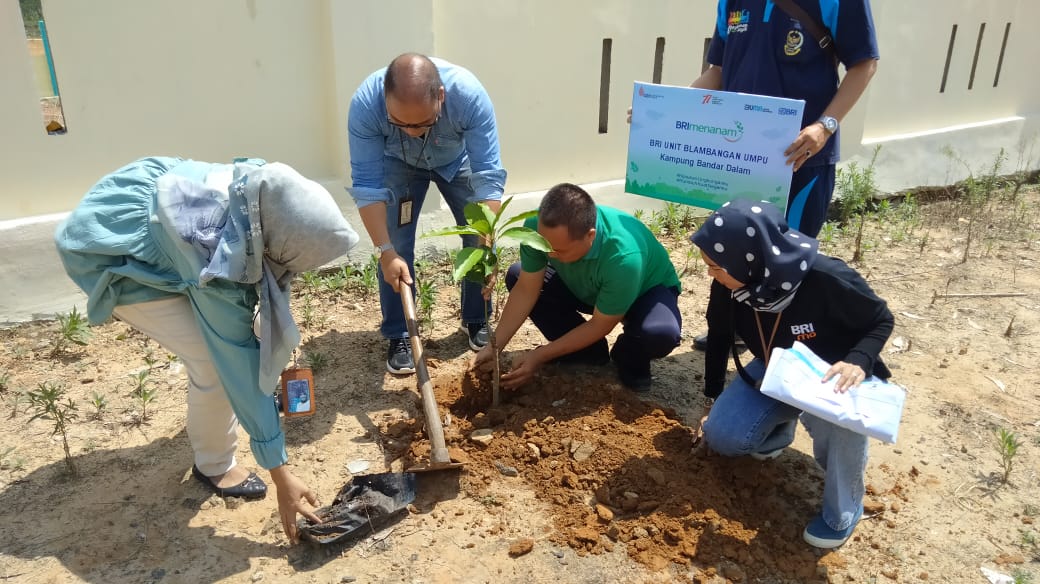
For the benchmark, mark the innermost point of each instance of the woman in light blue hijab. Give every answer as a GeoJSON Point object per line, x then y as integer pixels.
{"type": "Point", "coordinates": [188, 252]}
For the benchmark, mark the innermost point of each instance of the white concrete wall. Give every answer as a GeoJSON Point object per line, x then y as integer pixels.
{"type": "Point", "coordinates": [214, 80]}
{"type": "Point", "coordinates": [905, 113]}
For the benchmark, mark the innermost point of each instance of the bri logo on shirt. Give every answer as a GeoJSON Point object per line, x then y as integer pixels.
{"type": "Point", "coordinates": [738, 21]}
{"type": "Point", "coordinates": [803, 332]}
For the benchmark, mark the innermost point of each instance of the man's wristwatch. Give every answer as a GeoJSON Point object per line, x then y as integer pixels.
{"type": "Point", "coordinates": [830, 124]}
{"type": "Point", "coordinates": [385, 247]}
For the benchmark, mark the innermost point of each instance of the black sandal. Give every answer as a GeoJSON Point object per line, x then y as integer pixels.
{"type": "Point", "coordinates": [252, 488]}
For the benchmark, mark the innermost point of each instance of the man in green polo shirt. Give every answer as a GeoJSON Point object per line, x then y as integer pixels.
{"type": "Point", "coordinates": [605, 263]}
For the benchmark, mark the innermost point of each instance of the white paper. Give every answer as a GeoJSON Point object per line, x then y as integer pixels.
{"type": "Point", "coordinates": [873, 408]}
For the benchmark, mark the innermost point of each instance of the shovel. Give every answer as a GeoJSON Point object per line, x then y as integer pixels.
{"type": "Point", "coordinates": [439, 458]}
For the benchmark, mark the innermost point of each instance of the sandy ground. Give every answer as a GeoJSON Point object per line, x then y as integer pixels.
{"type": "Point", "coordinates": [606, 487]}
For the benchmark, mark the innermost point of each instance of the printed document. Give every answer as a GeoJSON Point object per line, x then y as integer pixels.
{"type": "Point", "coordinates": [873, 408]}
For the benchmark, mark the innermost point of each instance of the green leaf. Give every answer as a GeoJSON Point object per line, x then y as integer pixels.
{"type": "Point", "coordinates": [528, 237]}
{"type": "Point", "coordinates": [467, 258]}
{"type": "Point", "coordinates": [521, 217]}
{"type": "Point", "coordinates": [501, 212]}
{"type": "Point", "coordinates": [457, 230]}
{"type": "Point", "coordinates": [478, 218]}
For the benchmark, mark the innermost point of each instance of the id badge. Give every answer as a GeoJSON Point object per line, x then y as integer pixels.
{"type": "Point", "coordinates": [404, 213]}
{"type": "Point", "coordinates": [297, 391]}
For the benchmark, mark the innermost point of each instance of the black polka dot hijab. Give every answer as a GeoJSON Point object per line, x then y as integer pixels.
{"type": "Point", "coordinates": [752, 242]}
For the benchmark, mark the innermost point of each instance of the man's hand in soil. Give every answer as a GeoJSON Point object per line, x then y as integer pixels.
{"type": "Point", "coordinates": [291, 491]}
{"type": "Point", "coordinates": [523, 372]}
{"type": "Point", "coordinates": [483, 360]}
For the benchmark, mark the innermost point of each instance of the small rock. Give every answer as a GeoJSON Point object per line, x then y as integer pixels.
{"type": "Point", "coordinates": [1006, 558]}
{"type": "Point", "coordinates": [521, 547]}
{"type": "Point", "coordinates": [604, 514]}
{"type": "Point", "coordinates": [891, 574]}
{"type": "Point", "coordinates": [873, 507]}
{"type": "Point", "coordinates": [484, 436]}
{"type": "Point", "coordinates": [508, 471]}
{"type": "Point", "coordinates": [631, 495]}
{"type": "Point", "coordinates": [583, 452]}
{"type": "Point", "coordinates": [257, 576]}
{"type": "Point", "coordinates": [647, 506]}
{"type": "Point", "coordinates": [639, 533]}
{"type": "Point", "coordinates": [656, 475]}
{"type": "Point", "coordinates": [895, 506]}
{"type": "Point", "coordinates": [534, 450]}
{"type": "Point", "coordinates": [732, 572]}
{"type": "Point", "coordinates": [922, 576]}
{"type": "Point", "coordinates": [557, 553]}
{"type": "Point", "coordinates": [548, 420]}
{"type": "Point", "coordinates": [569, 480]}
{"type": "Point", "coordinates": [480, 420]}
{"type": "Point", "coordinates": [559, 403]}
{"type": "Point", "coordinates": [233, 502]}
{"type": "Point", "coordinates": [1027, 520]}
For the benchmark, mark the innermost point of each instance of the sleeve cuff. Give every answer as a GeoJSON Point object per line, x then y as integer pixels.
{"type": "Point", "coordinates": [365, 196]}
{"type": "Point", "coordinates": [270, 453]}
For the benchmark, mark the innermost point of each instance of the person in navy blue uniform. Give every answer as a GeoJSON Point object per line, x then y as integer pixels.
{"type": "Point", "coordinates": [758, 48]}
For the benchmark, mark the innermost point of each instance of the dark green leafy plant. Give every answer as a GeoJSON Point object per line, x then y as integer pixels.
{"type": "Point", "coordinates": [481, 263]}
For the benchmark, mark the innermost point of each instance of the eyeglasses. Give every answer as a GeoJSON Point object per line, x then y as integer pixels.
{"type": "Point", "coordinates": [422, 126]}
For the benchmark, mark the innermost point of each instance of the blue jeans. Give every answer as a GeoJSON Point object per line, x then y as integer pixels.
{"type": "Point", "coordinates": [743, 420]}
{"type": "Point", "coordinates": [652, 325]}
{"type": "Point", "coordinates": [404, 180]}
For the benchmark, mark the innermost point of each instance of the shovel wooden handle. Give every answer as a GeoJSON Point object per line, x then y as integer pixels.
{"type": "Point", "coordinates": [438, 449]}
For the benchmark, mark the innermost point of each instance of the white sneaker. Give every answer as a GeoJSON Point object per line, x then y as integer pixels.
{"type": "Point", "coordinates": [767, 455]}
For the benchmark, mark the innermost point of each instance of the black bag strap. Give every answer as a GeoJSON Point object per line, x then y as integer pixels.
{"type": "Point", "coordinates": [817, 30]}
{"type": "Point", "coordinates": [756, 383]}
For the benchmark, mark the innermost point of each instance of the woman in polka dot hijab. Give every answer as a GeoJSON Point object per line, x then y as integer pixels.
{"type": "Point", "coordinates": [773, 289]}
{"type": "Point", "coordinates": [751, 241]}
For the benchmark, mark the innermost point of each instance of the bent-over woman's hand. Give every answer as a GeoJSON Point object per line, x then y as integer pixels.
{"type": "Point", "coordinates": [291, 491]}
{"type": "Point", "coordinates": [848, 375]}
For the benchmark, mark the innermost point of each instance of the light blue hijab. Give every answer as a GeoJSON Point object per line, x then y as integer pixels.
{"type": "Point", "coordinates": [271, 224]}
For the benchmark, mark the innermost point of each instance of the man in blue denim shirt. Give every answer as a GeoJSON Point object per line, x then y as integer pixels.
{"type": "Point", "coordinates": [420, 120]}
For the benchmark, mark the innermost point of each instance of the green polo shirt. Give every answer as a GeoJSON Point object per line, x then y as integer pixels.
{"type": "Point", "coordinates": [623, 263]}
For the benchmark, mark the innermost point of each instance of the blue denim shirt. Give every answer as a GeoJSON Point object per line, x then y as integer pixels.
{"type": "Point", "coordinates": [466, 130]}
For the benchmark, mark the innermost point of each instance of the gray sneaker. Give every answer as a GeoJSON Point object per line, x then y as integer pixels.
{"type": "Point", "coordinates": [399, 359]}
{"type": "Point", "coordinates": [478, 334]}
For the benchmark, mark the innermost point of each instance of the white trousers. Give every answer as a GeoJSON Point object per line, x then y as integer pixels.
{"type": "Point", "coordinates": [212, 425]}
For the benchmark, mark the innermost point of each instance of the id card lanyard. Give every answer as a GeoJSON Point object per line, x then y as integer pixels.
{"type": "Point", "coordinates": [404, 207]}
